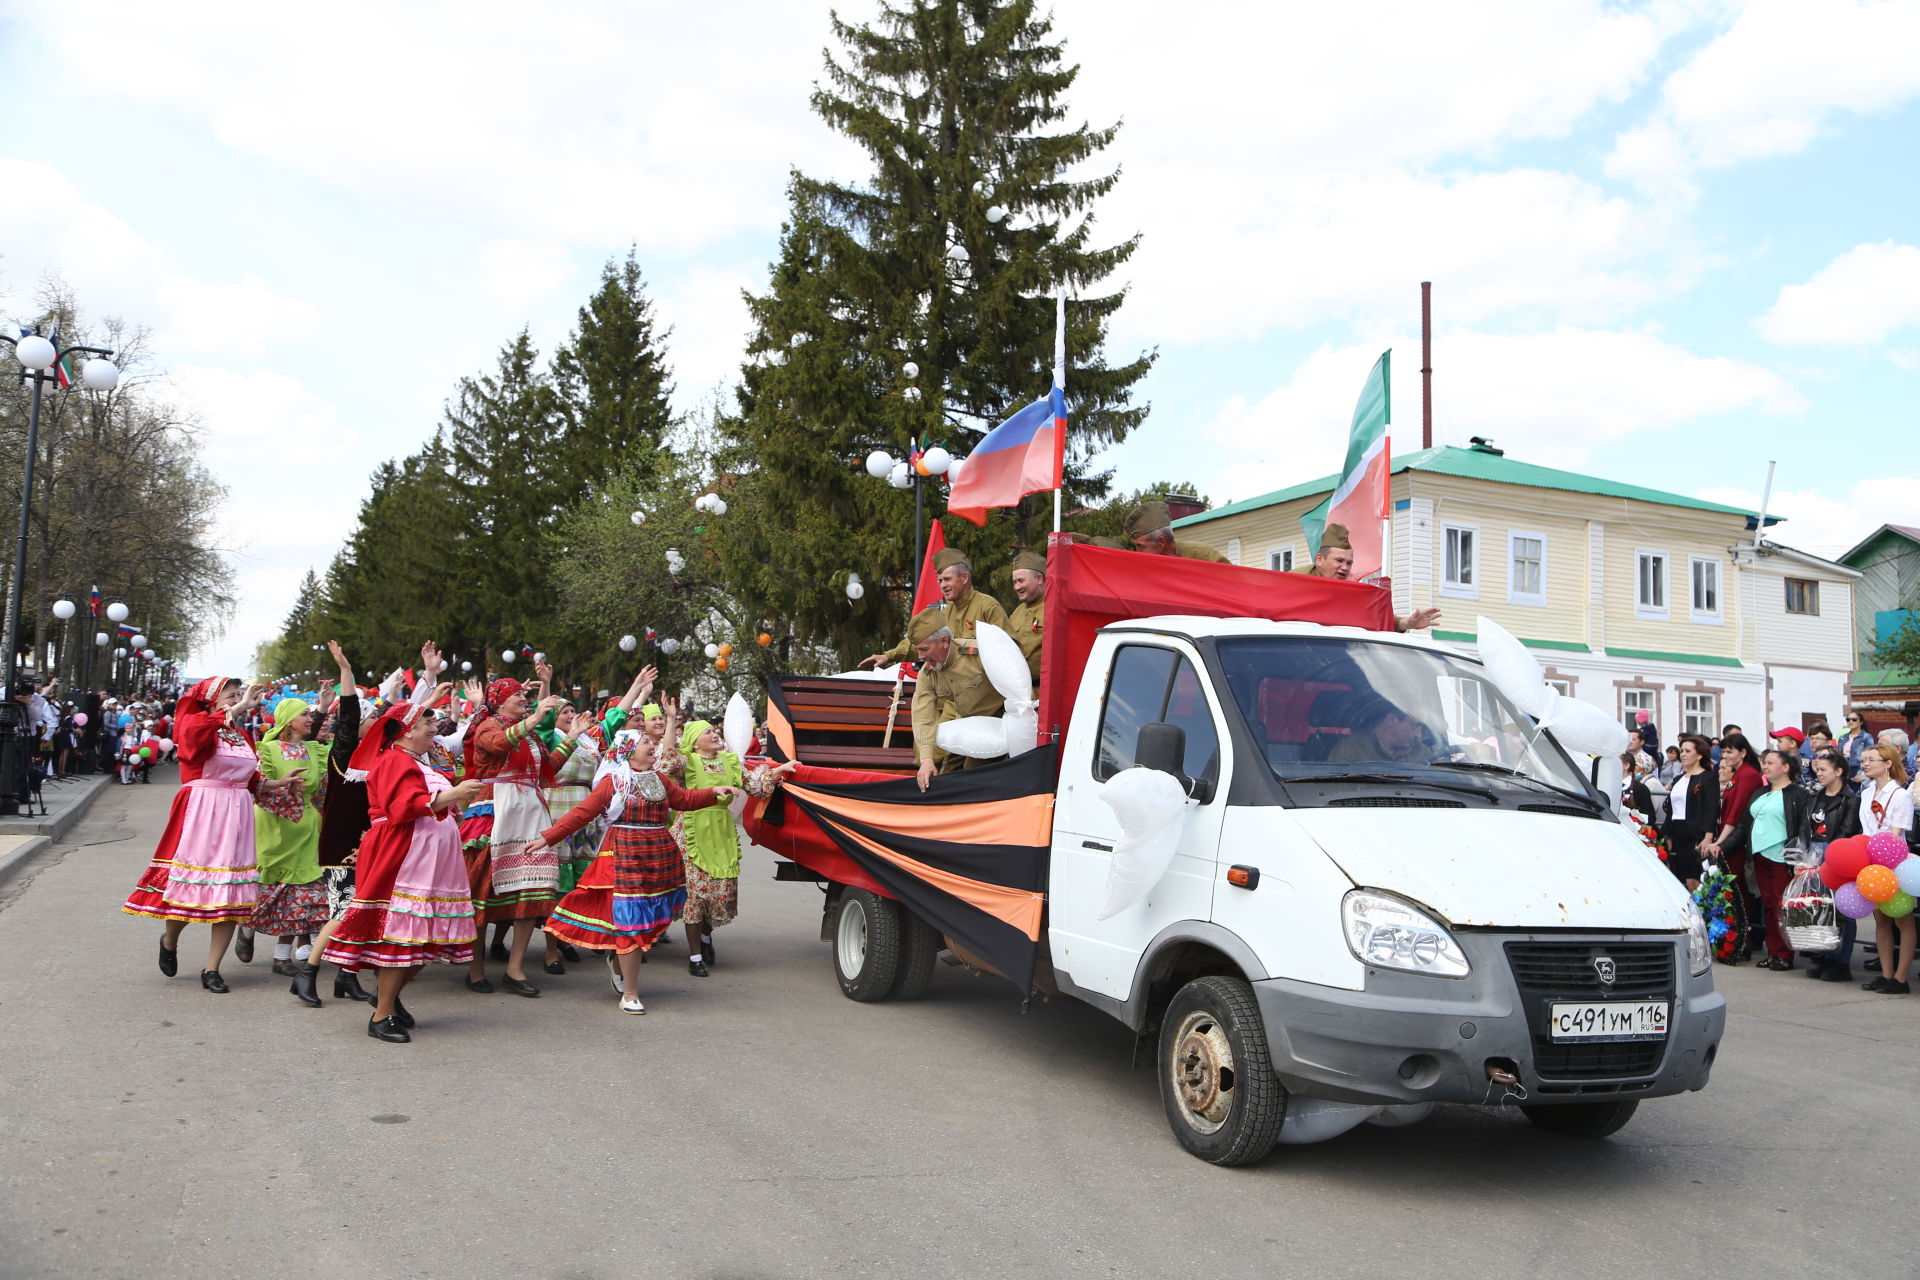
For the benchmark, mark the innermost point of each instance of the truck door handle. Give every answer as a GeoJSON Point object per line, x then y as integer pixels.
{"type": "Point", "coordinates": [1095, 844]}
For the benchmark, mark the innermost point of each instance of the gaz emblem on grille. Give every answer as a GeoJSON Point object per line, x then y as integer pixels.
{"type": "Point", "coordinates": [1603, 965]}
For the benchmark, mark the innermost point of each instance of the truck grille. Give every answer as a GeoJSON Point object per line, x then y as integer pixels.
{"type": "Point", "coordinates": [1641, 970]}
{"type": "Point", "coordinates": [1576, 1061]}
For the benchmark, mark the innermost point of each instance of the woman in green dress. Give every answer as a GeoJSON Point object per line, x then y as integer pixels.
{"type": "Point", "coordinates": [709, 838]}
{"type": "Point", "coordinates": [286, 824]}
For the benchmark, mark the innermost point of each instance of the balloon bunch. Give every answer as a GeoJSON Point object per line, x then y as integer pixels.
{"type": "Point", "coordinates": [1872, 873]}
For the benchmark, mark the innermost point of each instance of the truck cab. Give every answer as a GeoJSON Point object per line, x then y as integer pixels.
{"type": "Point", "coordinates": [1388, 888]}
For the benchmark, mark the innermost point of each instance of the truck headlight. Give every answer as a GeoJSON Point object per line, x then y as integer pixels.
{"type": "Point", "coordinates": [1391, 934]}
{"type": "Point", "coordinates": [1699, 945]}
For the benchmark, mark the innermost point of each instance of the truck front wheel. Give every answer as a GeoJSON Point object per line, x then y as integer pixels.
{"type": "Point", "coordinates": [866, 945]}
{"type": "Point", "coordinates": [1217, 1084]}
{"type": "Point", "coordinates": [1583, 1119]}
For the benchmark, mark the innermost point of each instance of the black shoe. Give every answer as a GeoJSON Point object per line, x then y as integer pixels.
{"type": "Point", "coordinates": [400, 1013]}
{"type": "Point", "coordinates": [346, 986]}
{"type": "Point", "coordinates": [555, 967]}
{"type": "Point", "coordinates": [1818, 970]}
{"type": "Point", "coordinates": [388, 1029]}
{"type": "Point", "coordinates": [698, 968]}
{"type": "Point", "coordinates": [498, 951]}
{"type": "Point", "coordinates": [568, 954]}
{"type": "Point", "coordinates": [1780, 966]}
{"type": "Point", "coordinates": [1894, 987]}
{"type": "Point", "coordinates": [212, 981]}
{"type": "Point", "coordinates": [169, 958]}
{"type": "Point", "coordinates": [1834, 973]}
{"type": "Point", "coordinates": [302, 985]}
{"type": "Point", "coordinates": [1876, 985]}
{"type": "Point", "coordinates": [243, 947]}
{"type": "Point", "coordinates": [284, 968]}
{"type": "Point", "coordinates": [480, 985]}
{"type": "Point", "coordinates": [1764, 962]}
{"type": "Point", "coordinates": [519, 986]}
{"type": "Point", "coordinates": [707, 953]}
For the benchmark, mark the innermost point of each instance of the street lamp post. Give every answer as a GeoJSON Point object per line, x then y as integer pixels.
{"type": "Point", "coordinates": [913, 472]}
{"type": "Point", "coordinates": [40, 363]}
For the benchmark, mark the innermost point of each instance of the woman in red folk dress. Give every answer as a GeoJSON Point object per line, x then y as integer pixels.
{"type": "Point", "coordinates": [204, 868]}
{"type": "Point", "coordinates": [410, 899]}
{"type": "Point", "coordinates": [508, 880]}
{"type": "Point", "coordinates": [638, 882]}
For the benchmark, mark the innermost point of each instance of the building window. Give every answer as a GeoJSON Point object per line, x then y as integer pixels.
{"type": "Point", "coordinates": [1704, 576]}
{"type": "Point", "coordinates": [1526, 567]}
{"type": "Point", "coordinates": [1803, 596]}
{"type": "Point", "coordinates": [1699, 713]}
{"type": "Point", "coordinates": [1562, 687]}
{"type": "Point", "coordinates": [1280, 559]}
{"type": "Point", "coordinates": [1650, 585]}
{"type": "Point", "coordinates": [1633, 701]}
{"type": "Point", "coordinates": [1460, 570]}
{"type": "Point", "coordinates": [1233, 551]}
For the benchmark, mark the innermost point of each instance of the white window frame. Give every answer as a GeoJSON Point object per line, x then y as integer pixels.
{"type": "Point", "coordinates": [1706, 617]}
{"type": "Point", "coordinates": [1280, 559]}
{"type": "Point", "coordinates": [1705, 712]}
{"type": "Point", "coordinates": [1628, 706]}
{"type": "Point", "coordinates": [1514, 594]}
{"type": "Point", "coordinates": [1233, 551]}
{"type": "Point", "coordinates": [1469, 590]}
{"type": "Point", "coordinates": [1642, 609]}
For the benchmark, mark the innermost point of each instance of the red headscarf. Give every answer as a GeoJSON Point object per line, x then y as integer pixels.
{"type": "Point", "coordinates": [201, 697]}
{"type": "Point", "coordinates": [374, 738]}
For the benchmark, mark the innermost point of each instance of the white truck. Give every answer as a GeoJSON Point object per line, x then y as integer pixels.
{"type": "Point", "coordinates": [1385, 887]}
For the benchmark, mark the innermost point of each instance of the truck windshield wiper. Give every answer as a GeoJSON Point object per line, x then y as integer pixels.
{"type": "Point", "coordinates": [1402, 778]}
{"type": "Point", "coordinates": [1484, 766]}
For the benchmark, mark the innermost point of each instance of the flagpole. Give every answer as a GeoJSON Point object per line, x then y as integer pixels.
{"type": "Point", "coordinates": [1060, 381]}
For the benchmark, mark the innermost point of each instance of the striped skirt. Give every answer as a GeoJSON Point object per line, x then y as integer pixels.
{"type": "Point", "coordinates": [628, 896]}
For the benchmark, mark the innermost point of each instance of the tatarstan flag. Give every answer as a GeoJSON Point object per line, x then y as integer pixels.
{"type": "Point", "coordinates": [1360, 499]}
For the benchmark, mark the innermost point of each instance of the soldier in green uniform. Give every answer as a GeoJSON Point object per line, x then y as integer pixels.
{"type": "Point", "coordinates": [962, 607]}
{"type": "Point", "coordinates": [952, 684]}
{"type": "Point", "coordinates": [1150, 529]}
{"type": "Point", "coordinates": [1030, 585]}
{"type": "Point", "coordinates": [1334, 559]}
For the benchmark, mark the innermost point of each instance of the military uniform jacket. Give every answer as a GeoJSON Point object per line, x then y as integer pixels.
{"type": "Point", "coordinates": [960, 688]}
{"type": "Point", "coordinates": [1024, 626]}
{"type": "Point", "coordinates": [963, 616]}
{"type": "Point", "coordinates": [1198, 551]}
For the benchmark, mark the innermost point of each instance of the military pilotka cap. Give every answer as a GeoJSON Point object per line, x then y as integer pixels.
{"type": "Point", "coordinates": [1335, 538]}
{"type": "Point", "coordinates": [925, 623]}
{"type": "Point", "coordinates": [1148, 517]}
{"type": "Point", "coordinates": [1031, 561]}
{"type": "Point", "coordinates": [947, 557]}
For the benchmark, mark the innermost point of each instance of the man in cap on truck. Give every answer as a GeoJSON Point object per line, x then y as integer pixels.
{"type": "Point", "coordinates": [952, 684]}
{"type": "Point", "coordinates": [1334, 559]}
{"type": "Point", "coordinates": [963, 607]}
{"type": "Point", "coordinates": [1150, 529]}
{"type": "Point", "coordinates": [1030, 585]}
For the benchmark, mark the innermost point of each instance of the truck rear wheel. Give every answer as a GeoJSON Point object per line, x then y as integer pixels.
{"type": "Point", "coordinates": [1217, 1084]}
{"type": "Point", "coordinates": [866, 945]}
{"type": "Point", "coordinates": [920, 945]}
{"type": "Point", "coordinates": [1583, 1119]}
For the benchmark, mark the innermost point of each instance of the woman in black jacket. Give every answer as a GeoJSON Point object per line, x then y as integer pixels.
{"type": "Point", "coordinates": [1832, 813]}
{"type": "Point", "coordinates": [1693, 810]}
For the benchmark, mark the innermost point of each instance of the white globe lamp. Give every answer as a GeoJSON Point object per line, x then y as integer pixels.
{"type": "Point", "coordinates": [63, 609]}
{"type": "Point", "coordinates": [117, 612]}
{"type": "Point", "coordinates": [35, 352]}
{"type": "Point", "coordinates": [879, 463]}
{"type": "Point", "coordinates": [936, 461]}
{"type": "Point", "coordinates": [99, 375]}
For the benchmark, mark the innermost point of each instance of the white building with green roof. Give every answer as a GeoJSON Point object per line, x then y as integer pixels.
{"type": "Point", "coordinates": [1635, 598]}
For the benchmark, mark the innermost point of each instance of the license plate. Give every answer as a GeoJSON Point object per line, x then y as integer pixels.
{"type": "Point", "coordinates": [1621, 1020]}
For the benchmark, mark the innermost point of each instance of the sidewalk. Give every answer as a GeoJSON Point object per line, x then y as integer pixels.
{"type": "Point", "coordinates": [24, 836]}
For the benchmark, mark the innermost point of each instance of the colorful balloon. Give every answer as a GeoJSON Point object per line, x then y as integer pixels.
{"type": "Point", "coordinates": [1848, 856]}
{"type": "Point", "coordinates": [1876, 883]}
{"type": "Point", "coordinates": [1887, 849]}
{"type": "Point", "coordinates": [1848, 902]}
{"type": "Point", "coordinates": [764, 638]}
{"type": "Point", "coordinates": [726, 651]}
{"type": "Point", "coordinates": [146, 753]}
{"type": "Point", "coordinates": [1832, 875]}
{"type": "Point", "coordinates": [721, 664]}
{"type": "Point", "coordinates": [1900, 904]}
{"type": "Point", "coordinates": [1908, 874]}
{"type": "Point", "coordinates": [80, 719]}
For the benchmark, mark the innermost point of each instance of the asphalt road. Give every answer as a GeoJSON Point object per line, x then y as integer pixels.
{"type": "Point", "coordinates": [757, 1124]}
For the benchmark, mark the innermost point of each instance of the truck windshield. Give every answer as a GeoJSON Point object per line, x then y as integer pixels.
{"type": "Point", "coordinates": [1321, 707]}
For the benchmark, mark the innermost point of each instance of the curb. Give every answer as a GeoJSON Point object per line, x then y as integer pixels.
{"type": "Point", "coordinates": [48, 831]}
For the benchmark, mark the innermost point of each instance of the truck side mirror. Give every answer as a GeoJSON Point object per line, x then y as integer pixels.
{"type": "Point", "coordinates": [1163, 746]}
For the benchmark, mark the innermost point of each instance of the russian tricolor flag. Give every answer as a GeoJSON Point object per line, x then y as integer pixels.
{"type": "Point", "coordinates": [1025, 454]}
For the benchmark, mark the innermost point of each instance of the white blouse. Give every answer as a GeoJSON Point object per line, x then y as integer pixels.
{"type": "Point", "coordinates": [1896, 808]}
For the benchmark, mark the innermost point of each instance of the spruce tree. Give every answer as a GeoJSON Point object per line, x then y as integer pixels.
{"type": "Point", "coordinates": [612, 382]}
{"type": "Point", "coordinates": [945, 258]}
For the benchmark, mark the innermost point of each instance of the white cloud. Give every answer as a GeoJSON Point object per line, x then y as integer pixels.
{"type": "Point", "coordinates": [521, 271]}
{"type": "Point", "coordinates": [710, 324]}
{"type": "Point", "coordinates": [1860, 298]}
{"type": "Point", "coordinates": [1547, 398]}
{"type": "Point", "coordinates": [1772, 81]}
{"type": "Point", "coordinates": [1822, 522]}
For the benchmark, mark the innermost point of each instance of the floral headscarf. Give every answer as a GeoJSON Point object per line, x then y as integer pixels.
{"type": "Point", "coordinates": [627, 781]}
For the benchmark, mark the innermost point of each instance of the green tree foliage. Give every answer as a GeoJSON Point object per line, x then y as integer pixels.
{"type": "Point", "coordinates": [612, 381]}
{"type": "Point", "coordinates": [946, 258]}
{"type": "Point", "coordinates": [1901, 650]}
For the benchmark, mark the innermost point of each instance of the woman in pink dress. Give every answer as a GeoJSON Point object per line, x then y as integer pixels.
{"type": "Point", "coordinates": [204, 868]}
{"type": "Point", "coordinates": [411, 905]}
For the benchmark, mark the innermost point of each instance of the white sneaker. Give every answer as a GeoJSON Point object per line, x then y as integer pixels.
{"type": "Point", "coordinates": [631, 1004]}
{"type": "Point", "coordinates": [613, 974]}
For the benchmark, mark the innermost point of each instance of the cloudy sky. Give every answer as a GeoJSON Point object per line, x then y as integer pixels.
{"type": "Point", "coordinates": [1669, 241]}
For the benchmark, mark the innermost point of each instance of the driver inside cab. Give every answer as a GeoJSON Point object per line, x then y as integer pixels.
{"type": "Point", "coordinates": [1382, 731]}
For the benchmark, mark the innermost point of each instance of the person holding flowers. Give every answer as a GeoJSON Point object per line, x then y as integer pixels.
{"type": "Point", "coordinates": [1885, 805]}
{"type": "Point", "coordinates": [1693, 811]}
{"type": "Point", "coordinates": [631, 892]}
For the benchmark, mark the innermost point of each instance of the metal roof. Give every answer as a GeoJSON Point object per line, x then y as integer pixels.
{"type": "Point", "coordinates": [1481, 464]}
